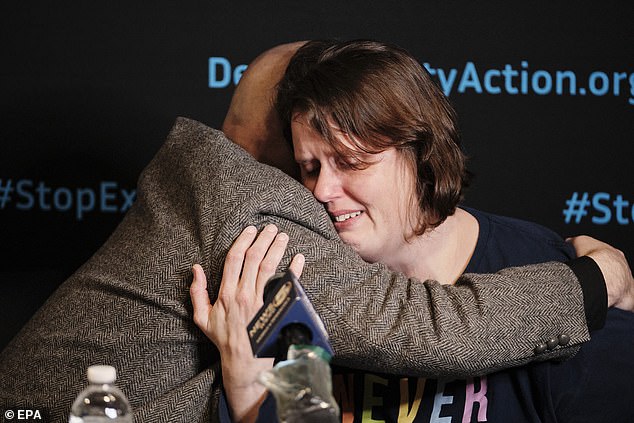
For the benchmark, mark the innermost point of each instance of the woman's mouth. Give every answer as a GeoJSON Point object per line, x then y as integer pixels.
{"type": "Point", "coordinates": [346, 220]}
{"type": "Point", "coordinates": [346, 216]}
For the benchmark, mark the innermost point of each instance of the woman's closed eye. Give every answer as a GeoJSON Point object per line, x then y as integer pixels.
{"type": "Point", "coordinates": [354, 163]}
{"type": "Point", "coordinates": [343, 163]}
{"type": "Point", "coordinates": [309, 167]}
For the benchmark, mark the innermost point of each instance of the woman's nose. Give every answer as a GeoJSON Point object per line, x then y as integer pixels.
{"type": "Point", "coordinates": [327, 186]}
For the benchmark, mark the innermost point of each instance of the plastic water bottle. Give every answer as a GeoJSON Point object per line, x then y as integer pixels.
{"type": "Point", "coordinates": [302, 386]}
{"type": "Point", "coordinates": [101, 401]}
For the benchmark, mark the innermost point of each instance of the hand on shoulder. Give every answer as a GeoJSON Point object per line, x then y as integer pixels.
{"type": "Point", "coordinates": [614, 266]}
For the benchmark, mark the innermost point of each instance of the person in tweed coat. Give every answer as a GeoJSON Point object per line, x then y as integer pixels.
{"type": "Point", "coordinates": [129, 306]}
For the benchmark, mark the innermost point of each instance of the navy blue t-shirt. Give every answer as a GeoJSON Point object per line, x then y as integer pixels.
{"type": "Point", "coordinates": [596, 385]}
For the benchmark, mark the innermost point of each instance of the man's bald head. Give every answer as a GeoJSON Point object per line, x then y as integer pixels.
{"type": "Point", "coordinates": [251, 120]}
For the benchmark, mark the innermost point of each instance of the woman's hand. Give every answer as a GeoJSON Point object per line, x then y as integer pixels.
{"type": "Point", "coordinates": [249, 264]}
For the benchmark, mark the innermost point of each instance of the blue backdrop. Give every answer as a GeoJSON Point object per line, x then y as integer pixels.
{"type": "Point", "coordinates": [544, 94]}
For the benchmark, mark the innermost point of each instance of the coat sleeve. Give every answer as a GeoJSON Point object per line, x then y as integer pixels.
{"type": "Point", "coordinates": [129, 306]}
{"type": "Point", "coordinates": [383, 321]}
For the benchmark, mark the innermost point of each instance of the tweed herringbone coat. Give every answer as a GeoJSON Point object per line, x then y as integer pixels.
{"type": "Point", "coordinates": [129, 305]}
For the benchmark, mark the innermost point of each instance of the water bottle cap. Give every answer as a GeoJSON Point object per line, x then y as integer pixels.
{"type": "Point", "coordinates": [101, 374]}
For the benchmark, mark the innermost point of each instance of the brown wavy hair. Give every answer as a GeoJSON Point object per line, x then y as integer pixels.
{"type": "Point", "coordinates": [381, 97]}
